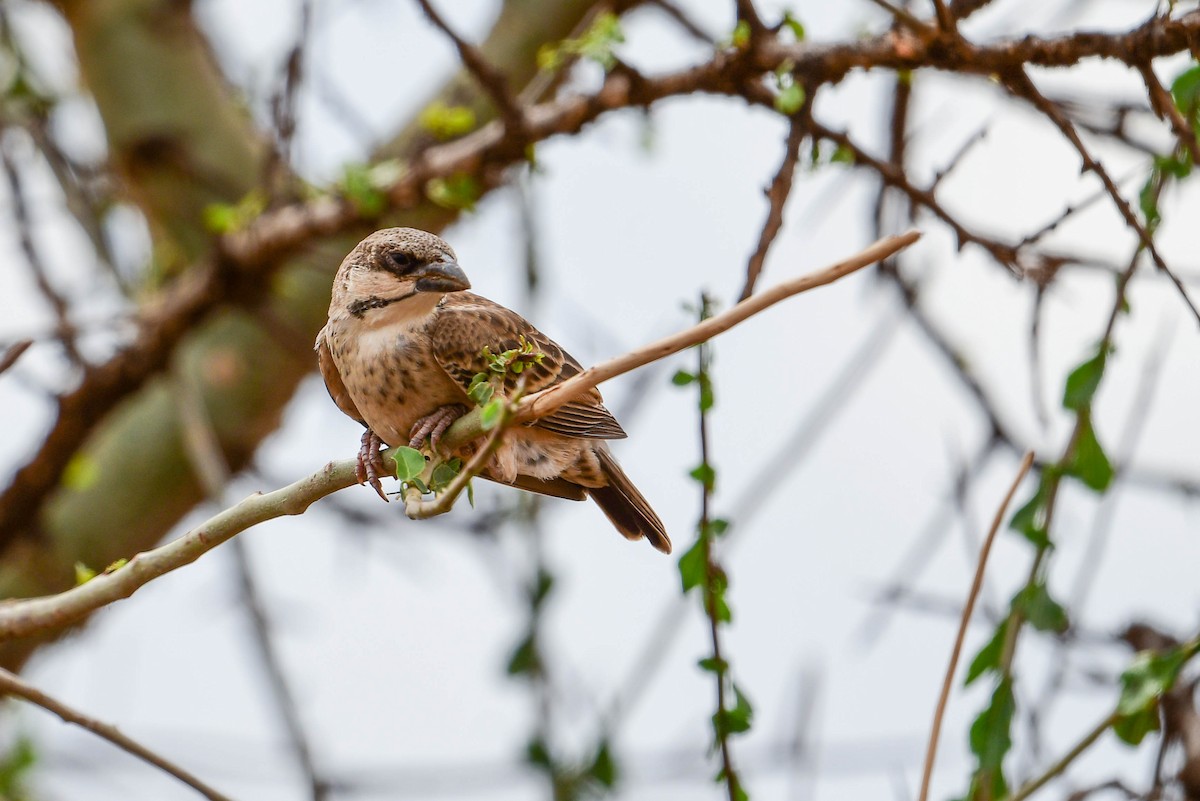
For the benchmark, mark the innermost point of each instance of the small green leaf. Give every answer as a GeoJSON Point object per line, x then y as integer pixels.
{"type": "Point", "coordinates": [1043, 612]}
{"type": "Point", "coordinates": [447, 122]}
{"type": "Point", "coordinates": [457, 192]}
{"type": "Point", "coordinates": [541, 588]}
{"type": "Point", "coordinates": [491, 414]}
{"type": "Point", "coordinates": [707, 399]}
{"type": "Point", "coordinates": [693, 566]}
{"type": "Point", "coordinates": [15, 767]}
{"type": "Point", "coordinates": [713, 665]}
{"type": "Point", "coordinates": [682, 378]}
{"type": "Point", "coordinates": [1143, 683]}
{"type": "Point", "coordinates": [524, 659]}
{"type": "Point", "coordinates": [471, 493]}
{"type": "Point", "coordinates": [1083, 381]}
{"type": "Point", "coordinates": [1089, 463]}
{"type": "Point", "coordinates": [790, 99]}
{"type": "Point", "coordinates": [705, 474]}
{"type": "Point", "coordinates": [604, 768]}
{"type": "Point", "coordinates": [83, 574]}
{"type": "Point", "coordinates": [1030, 519]}
{"type": "Point", "coordinates": [116, 565]}
{"type": "Point", "coordinates": [443, 474]}
{"type": "Point", "coordinates": [989, 655]}
{"type": "Point", "coordinates": [716, 527]}
{"type": "Point", "coordinates": [418, 484]}
{"type": "Point", "coordinates": [536, 753]}
{"type": "Point", "coordinates": [81, 472]}
{"type": "Point", "coordinates": [990, 736]}
{"type": "Point", "coordinates": [1185, 89]}
{"type": "Point", "coordinates": [409, 462]}
{"type": "Point", "coordinates": [740, 37]}
{"type": "Point", "coordinates": [358, 186]}
{"type": "Point", "coordinates": [794, 25]}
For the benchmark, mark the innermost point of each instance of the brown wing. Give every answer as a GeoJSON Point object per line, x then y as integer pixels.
{"type": "Point", "coordinates": [333, 379]}
{"type": "Point", "coordinates": [466, 323]}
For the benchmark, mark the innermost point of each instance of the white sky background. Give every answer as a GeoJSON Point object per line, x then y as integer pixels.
{"type": "Point", "coordinates": [396, 642]}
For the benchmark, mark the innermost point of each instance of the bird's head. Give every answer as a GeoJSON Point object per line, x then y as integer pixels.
{"type": "Point", "coordinates": [403, 268]}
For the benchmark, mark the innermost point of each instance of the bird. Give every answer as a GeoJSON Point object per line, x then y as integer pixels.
{"type": "Point", "coordinates": [402, 345]}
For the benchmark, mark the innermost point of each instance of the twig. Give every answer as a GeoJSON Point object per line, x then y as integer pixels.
{"type": "Point", "coordinates": [904, 17]}
{"type": "Point", "coordinates": [1020, 84]}
{"type": "Point", "coordinates": [14, 352]}
{"type": "Point", "coordinates": [1062, 764]}
{"type": "Point", "coordinates": [777, 195]}
{"type": "Point", "coordinates": [968, 608]}
{"type": "Point", "coordinates": [11, 684]}
{"type": "Point", "coordinates": [64, 329]}
{"type": "Point", "coordinates": [22, 617]}
{"type": "Point", "coordinates": [488, 77]}
{"type": "Point", "coordinates": [418, 509]}
{"type": "Point", "coordinates": [1164, 106]}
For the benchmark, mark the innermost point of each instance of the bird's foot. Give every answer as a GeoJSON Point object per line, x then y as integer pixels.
{"type": "Point", "coordinates": [370, 464]}
{"type": "Point", "coordinates": [434, 425]}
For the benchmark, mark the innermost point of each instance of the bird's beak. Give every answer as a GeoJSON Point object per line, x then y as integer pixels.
{"type": "Point", "coordinates": [442, 276]}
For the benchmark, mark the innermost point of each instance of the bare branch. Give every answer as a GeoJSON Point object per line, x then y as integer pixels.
{"type": "Point", "coordinates": [11, 684]}
{"type": "Point", "coordinates": [964, 621]}
{"type": "Point", "coordinates": [13, 353]}
{"type": "Point", "coordinates": [777, 195]}
{"type": "Point", "coordinates": [19, 618]}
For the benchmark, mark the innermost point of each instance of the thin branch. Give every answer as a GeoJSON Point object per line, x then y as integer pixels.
{"type": "Point", "coordinates": [19, 618]}
{"type": "Point", "coordinates": [13, 353]}
{"type": "Point", "coordinates": [64, 329]}
{"type": "Point", "coordinates": [11, 684]}
{"type": "Point", "coordinates": [904, 17]}
{"type": "Point", "coordinates": [1164, 106]}
{"type": "Point", "coordinates": [777, 195]}
{"type": "Point", "coordinates": [964, 621]}
{"type": "Point", "coordinates": [490, 79]}
{"type": "Point", "coordinates": [1062, 764]}
{"type": "Point", "coordinates": [1020, 84]}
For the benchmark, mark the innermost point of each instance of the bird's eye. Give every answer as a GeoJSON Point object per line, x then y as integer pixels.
{"type": "Point", "coordinates": [402, 259]}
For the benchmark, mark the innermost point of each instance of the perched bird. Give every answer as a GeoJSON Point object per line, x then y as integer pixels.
{"type": "Point", "coordinates": [404, 341]}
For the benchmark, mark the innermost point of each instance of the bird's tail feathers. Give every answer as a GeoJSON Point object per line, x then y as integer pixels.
{"type": "Point", "coordinates": [628, 510]}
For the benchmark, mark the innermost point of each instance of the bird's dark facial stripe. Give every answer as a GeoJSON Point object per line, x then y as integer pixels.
{"type": "Point", "coordinates": [360, 307]}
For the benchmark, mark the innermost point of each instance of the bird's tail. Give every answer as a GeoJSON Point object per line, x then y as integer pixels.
{"type": "Point", "coordinates": [625, 506]}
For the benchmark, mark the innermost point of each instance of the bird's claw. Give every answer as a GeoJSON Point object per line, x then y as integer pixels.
{"type": "Point", "coordinates": [434, 425]}
{"type": "Point", "coordinates": [370, 464]}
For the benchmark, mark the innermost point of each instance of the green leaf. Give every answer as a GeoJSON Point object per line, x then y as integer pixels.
{"type": "Point", "coordinates": [842, 155]}
{"type": "Point", "coordinates": [536, 753]}
{"type": "Point", "coordinates": [83, 574]}
{"type": "Point", "coordinates": [989, 655]}
{"type": "Point", "coordinates": [1089, 463]}
{"type": "Point", "coordinates": [1185, 89]}
{"type": "Point", "coordinates": [116, 565]}
{"type": "Point", "coordinates": [15, 767]}
{"type": "Point", "coordinates": [471, 493]}
{"type": "Point", "coordinates": [1148, 200]}
{"type": "Point", "coordinates": [358, 186]}
{"type": "Point", "coordinates": [524, 659]}
{"type": "Point", "coordinates": [604, 768]}
{"type": "Point", "coordinates": [794, 25]}
{"type": "Point", "coordinates": [1144, 682]}
{"type": "Point", "coordinates": [596, 44]}
{"type": "Point", "coordinates": [225, 218]}
{"type": "Point", "coordinates": [491, 414]}
{"type": "Point", "coordinates": [693, 566]}
{"type": "Point", "coordinates": [713, 665]}
{"type": "Point", "coordinates": [740, 37]}
{"type": "Point", "coordinates": [409, 462]}
{"type": "Point", "coordinates": [447, 122]}
{"type": "Point", "coordinates": [682, 378]}
{"type": "Point", "coordinates": [81, 472]}
{"type": "Point", "coordinates": [480, 390]}
{"type": "Point", "coordinates": [790, 99]}
{"type": "Point", "coordinates": [716, 527]}
{"type": "Point", "coordinates": [1043, 612]}
{"type": "Point", "coordinates": [990, 736]}
{"type": "Point", "coordinates": [1083, 381]}
{"type": "Point", "coordinates": [1174, 166]}
{"type": "Point", "coordinates": [705, 474]}
{"type": "Point", "coordinates": [707, 399]}
{"type": "Point", "coordinates": [1030, 519]}
{"type": "Point", "coordinates": [458, 192]}
{"type": "Point", "coordinates": [443, 474]}
{"type": "Point", "coordinates": [541, 588]}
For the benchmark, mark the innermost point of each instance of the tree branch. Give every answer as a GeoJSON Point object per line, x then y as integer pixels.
{"type": "Point", "coordinates": [20, 618]}
{"type": "Point", "coordinates": [11, 684]}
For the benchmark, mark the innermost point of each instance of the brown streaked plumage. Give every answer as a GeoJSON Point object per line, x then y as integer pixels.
{"type": "Point", "coordinates": [403, 342]}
